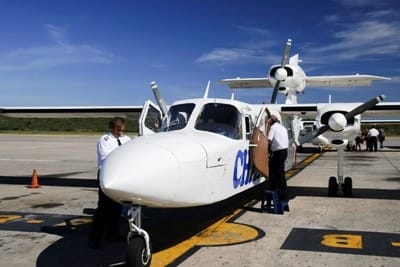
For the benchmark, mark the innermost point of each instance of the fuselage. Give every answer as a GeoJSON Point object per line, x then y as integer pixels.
{"type": "Point", "coordinates": [200, 155]}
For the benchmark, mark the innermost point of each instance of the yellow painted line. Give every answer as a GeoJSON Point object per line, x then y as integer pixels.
{"type": "Point", "coordinates": [34, 221]}
{"type": "Point", "coordinates": [221, 232]}
{"type": "Point", "coordinates": [396, 244]}
{"type": "Point", "coordinates": [301, 165]}
{"type": "Point", "coordinates": [74, 222]}
{"type": "Point", "coordinates": [8, 218]}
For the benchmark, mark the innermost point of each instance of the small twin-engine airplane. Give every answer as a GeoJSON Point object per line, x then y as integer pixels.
{"type": "Point", "coordinates": [202, 151]}
{"type": "Point", "coordinates": [207, 150]}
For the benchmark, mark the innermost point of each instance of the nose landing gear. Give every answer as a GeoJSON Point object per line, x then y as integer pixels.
{"type": "Point", "coordinates": [139, 245]}
{"type": "Point", "coordinates": [346, 185]}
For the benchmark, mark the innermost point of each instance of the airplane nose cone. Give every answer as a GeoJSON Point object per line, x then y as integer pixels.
{"type": "Point", "coordinates": [137, 171]}
{"type": "Point", "coordinates": [151, 170]}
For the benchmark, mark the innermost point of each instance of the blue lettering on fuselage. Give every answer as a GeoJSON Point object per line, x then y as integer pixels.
{"type": "Point", "coordinates": [243, 173]}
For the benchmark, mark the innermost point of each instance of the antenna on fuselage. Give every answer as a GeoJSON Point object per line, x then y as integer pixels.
{"type": "Point", "coordinates": [207, 89]}
{"type": "Point", "coordinates": [233, 96]}
{"type": "Point", "coordinates": [158, 97]}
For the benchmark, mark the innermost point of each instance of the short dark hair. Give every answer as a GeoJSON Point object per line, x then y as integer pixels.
{"type": "Point", "coordinates": [113, 122]}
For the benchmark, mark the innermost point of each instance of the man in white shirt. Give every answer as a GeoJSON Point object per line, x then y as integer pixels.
{"type": "Point", "coordinates": [279, 142]}
{"type": "Point", "coordinates": [107, 215]}
{"type": "Point", "coordinates": [373, 139]}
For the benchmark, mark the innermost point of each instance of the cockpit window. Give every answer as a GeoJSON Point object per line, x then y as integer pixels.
{"type": "Point", "coordinates": [222, 119]}
{"type": "Point", "coordinates": [177, 117]}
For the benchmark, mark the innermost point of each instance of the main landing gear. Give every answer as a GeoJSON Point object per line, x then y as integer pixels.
{"type": "Point", "coordinates": [139, 246]}
{"type": "Point", "coordinates": [346, 184]}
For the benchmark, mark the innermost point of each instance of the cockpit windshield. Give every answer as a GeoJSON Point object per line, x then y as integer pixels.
{"type": "Point", "coordinates": [177, 117]}
{"type": "Point", "coordinates": [220, 118]}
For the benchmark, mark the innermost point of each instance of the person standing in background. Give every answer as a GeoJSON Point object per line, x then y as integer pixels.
{"type": "Point", "coordinates": [373, 139]}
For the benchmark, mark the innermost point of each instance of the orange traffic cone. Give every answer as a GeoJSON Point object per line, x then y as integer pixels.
{"type": "Point", "coordinates": [34, 181]}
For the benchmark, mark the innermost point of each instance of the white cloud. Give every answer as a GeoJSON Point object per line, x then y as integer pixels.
{"type": "Point", "coordinates": [365, 38]}
{"type": "Point", "coordinates": [253, 30]}
{"type": "Point", "coordinates": [224, 55]}
{"type": "Point", "coordinates": [59, 54]}
{"type": "Point", "coordinates": [359, 3]}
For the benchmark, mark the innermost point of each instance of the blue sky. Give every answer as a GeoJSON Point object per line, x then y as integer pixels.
{"type": "Point", "coordinates": [87, 52]}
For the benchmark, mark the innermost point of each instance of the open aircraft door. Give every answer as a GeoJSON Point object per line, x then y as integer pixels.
{"type": "Point", "coordinates": [259, 144]}
{"type": "Point", "coordinates": [150, 118]}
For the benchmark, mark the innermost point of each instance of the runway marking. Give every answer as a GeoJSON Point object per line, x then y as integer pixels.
{"type": "Point", "coordinates": [347, 242]}
{"type": "Point", "coordinates": [303, 164]}
{"type": "Point", "coordinates": [31, 160]}
{"type": "Point", "coordinates": [8, 218]}
{"type": "Point", "coordinates": [220, 233]}
{"type": "Point", "coordinates": [35, 221]}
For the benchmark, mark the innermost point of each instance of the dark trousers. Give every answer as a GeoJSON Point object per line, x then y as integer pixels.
{"type": "Point", "coordinates": [106, 218]}
{"type": "Point", "coordinates": [277, 179]}
{"type": "Point", "coordinates": [373, 143]}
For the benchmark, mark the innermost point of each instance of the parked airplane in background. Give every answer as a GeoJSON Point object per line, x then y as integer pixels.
{"type": "Point", "coordinates": [336, 124]}
{"type": "Point", "coordinates": [290, 79]}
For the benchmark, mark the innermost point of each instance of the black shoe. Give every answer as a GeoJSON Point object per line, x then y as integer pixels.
{"type": "Point", "coordinates": [115, 238]}
{"type": "Point", "coordinates": [286, 207]}
{"type": "Point", "coordinates": [94, 244]}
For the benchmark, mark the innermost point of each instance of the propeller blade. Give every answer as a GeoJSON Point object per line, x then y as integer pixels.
{"type": "Point", "coordinates": [308, 137]}
{"type": "Point", "coordinates": [285, 57]}
{"type": "Point", "coordinates": [286, 52]}
{"type": "Point", "coordinates": [275, 93]}
{"type": "Point", "coordinates": [367, 105]}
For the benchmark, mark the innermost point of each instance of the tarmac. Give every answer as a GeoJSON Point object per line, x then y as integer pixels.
{"type": "Point", "coordinates": [48, 226]}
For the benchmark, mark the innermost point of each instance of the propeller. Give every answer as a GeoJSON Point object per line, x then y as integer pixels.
{"type": "Point", "coordinates": [281, 73]}
{"type": "Point", "coordinates": [338, 121]}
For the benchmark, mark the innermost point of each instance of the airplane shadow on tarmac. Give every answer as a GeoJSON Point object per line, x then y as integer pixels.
{"type": "Point", "coordinates": [166, 228]}
{"type": "Point", "coordinates": [387, 194]}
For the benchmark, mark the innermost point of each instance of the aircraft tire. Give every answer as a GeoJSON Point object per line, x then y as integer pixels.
{"type": "Point", "coordinates": [136, 253]}
{"type": "Point", "coordinates": [348, 187]}
{"type": "Point", "coordinates": [332, 187]}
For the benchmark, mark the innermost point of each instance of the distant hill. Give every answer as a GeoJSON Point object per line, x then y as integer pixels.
{"type": "Point", "coordinates": [80, 125]}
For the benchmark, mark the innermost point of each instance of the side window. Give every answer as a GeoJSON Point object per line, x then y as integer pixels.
{"type": "Point", "coordinates": [222, 119]}
{"type": "Point", "coordinates": [153, 120]}
{"type": "Point", "coordinates": [249, 126]}
{"type": "Point", "coordinates": [177, 117]}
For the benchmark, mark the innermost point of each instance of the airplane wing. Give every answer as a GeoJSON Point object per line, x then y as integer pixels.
{"type": "Point", "coordinates": [384, 113]}
{"type": "Point", "coordinates": [70, 112]}
{"type": "Point", "coordinates": [383, 109]}
{"type": "Point", "coordinates": [247, 83]}
{"type": "Point", "coordinates": [343, 80]}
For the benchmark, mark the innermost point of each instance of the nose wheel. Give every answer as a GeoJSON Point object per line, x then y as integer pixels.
{"type": "Point", "coordinates": [345, 186]}
{"type": "Point", "coordinates": [139, 245]}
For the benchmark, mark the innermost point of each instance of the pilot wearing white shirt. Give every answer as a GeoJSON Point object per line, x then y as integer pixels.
{"type": "Point", "coordinates": [107, 143]}
{"type": "Point", "coordinates": [373, 138]}
{"type": "Point", "coordinates": [279, 141]}
{"type": "Point", "coordinates": [108, 212]}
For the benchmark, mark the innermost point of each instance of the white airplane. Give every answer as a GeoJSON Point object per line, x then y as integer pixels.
{"type": "Point", "coordinates": [202, 151]}
{"type": "Point", "coordinates": [200, 156]}
{"type": "Point", "coordinates": [290, 79]}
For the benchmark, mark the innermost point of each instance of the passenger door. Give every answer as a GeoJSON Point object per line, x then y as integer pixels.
{"type": "Point", "coordinates": [150, 118]}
